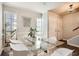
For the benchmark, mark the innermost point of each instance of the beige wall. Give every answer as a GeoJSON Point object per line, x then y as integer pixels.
{"type": "Point", "coordinates": [70, 22]}
{"type": "Point", "coordinates": [55, 25]}
{"type": "Point", "coordinates": [62, 26]}
{"type": "Point", "coordinates": [21, 30]}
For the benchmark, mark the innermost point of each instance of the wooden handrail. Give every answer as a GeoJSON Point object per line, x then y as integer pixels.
{"type": "Point", "coordinates": [76, 28]}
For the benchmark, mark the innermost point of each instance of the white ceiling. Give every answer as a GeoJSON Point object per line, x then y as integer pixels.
{"type": "Point", "coordinates": [40, 7]}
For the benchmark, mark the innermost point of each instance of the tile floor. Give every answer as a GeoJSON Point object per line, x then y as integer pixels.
{"type": "Point", "coordinates": [6, 51]}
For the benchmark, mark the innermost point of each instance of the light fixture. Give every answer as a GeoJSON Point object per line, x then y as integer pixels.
{"type": "Point", "coordinates": [70, 8]}
{"type": "Point", "coordinates": [71, 5]}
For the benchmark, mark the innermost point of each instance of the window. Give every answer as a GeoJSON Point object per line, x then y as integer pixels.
{"type": "Point", "coordinates": [10, 21]}
{"type": "Point", "coordinates": [10, 25]}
